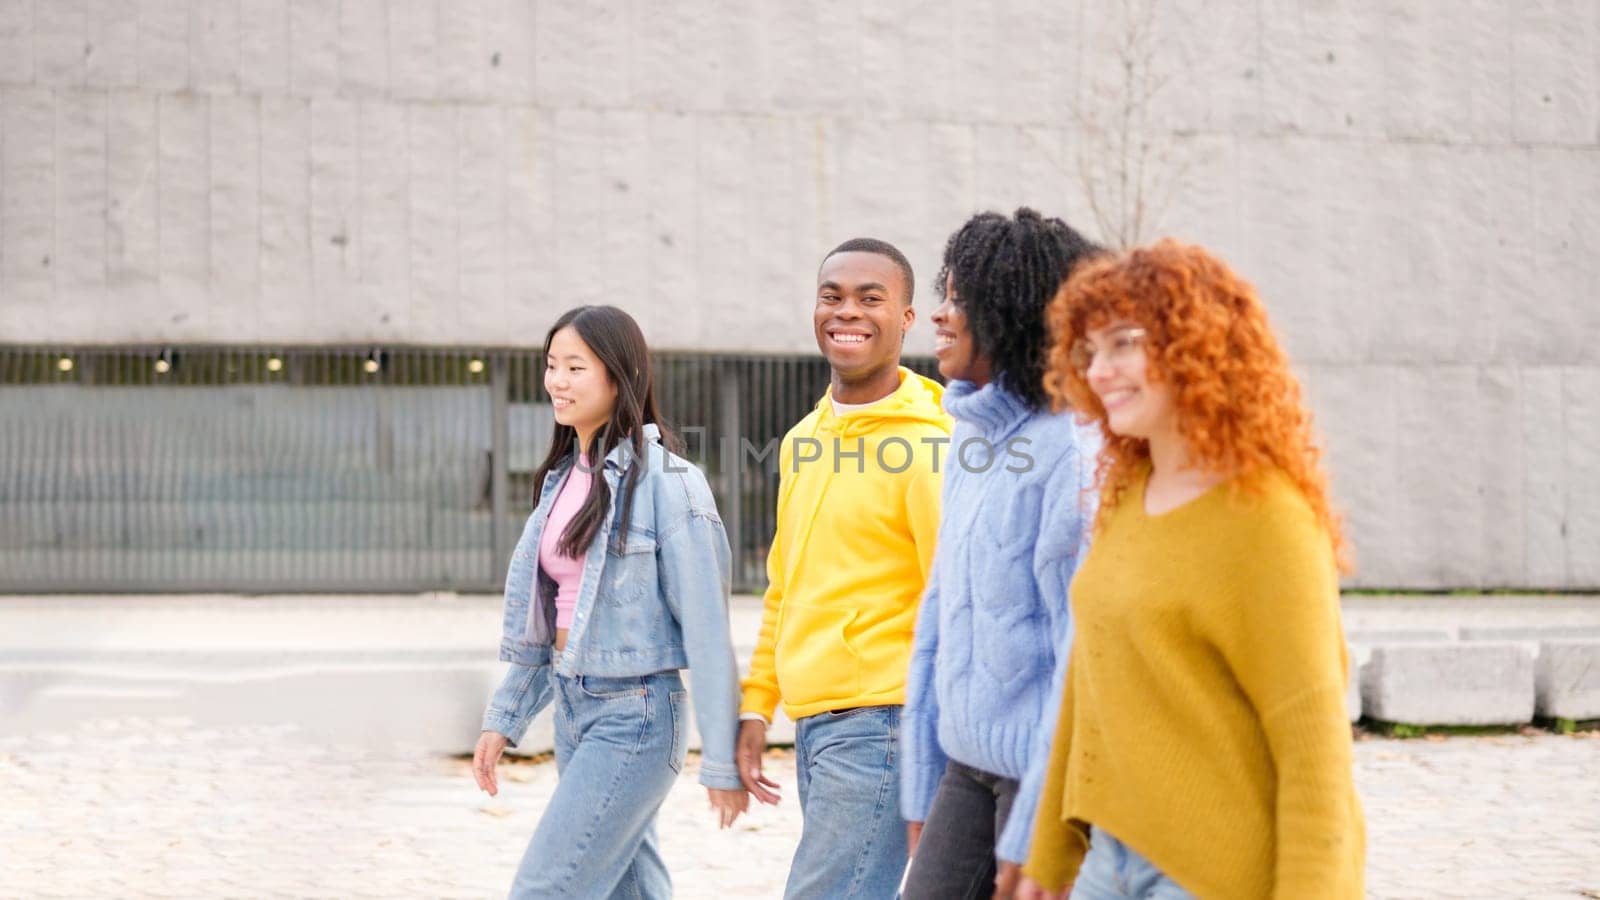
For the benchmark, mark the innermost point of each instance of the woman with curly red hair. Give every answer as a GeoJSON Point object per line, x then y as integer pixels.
{"type": "Point", "coordinates": [1202, 747]}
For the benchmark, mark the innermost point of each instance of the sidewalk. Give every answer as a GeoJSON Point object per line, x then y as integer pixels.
{"type": "Point", "coordinates": [162, 808]}
{"type": "Point", "coordinates": [415, 670]}
{"type": "Point", "coordinates": [289, 746]}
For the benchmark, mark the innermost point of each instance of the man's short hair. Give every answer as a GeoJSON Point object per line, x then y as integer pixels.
{"type": "Point", "coordinates": [882, 248]}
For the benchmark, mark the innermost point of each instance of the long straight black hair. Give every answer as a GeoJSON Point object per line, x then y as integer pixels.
{"type": "Point", "coordinates": [615, 339]}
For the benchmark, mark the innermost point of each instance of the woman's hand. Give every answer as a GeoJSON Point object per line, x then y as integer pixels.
{"type": "Point", "coordinates": [484, 758]}
{"type": "Point", "coordinates": [1028, 889]}
{"type": "Point", "coordinates": [1006, 880]}
{"type": "Point", "coordinates": [728, 804]}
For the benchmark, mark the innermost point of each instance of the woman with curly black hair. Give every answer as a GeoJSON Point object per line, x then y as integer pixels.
{"type": "Point", "coordinates": [993, 630]}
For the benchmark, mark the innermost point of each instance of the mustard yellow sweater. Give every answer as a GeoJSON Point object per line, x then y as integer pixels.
{"type": "Point", "coordinates": [1203, 720]}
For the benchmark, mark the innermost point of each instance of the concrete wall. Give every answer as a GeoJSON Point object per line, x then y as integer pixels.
{"type": "Point", "coordinates": [1412, 187]}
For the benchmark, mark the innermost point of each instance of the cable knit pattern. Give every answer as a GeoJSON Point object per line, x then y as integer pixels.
{"type": "Point", "coordinates": [990, 650]}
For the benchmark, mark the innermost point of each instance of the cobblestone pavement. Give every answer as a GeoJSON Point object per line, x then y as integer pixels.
{"type": "Point", "coordinates": [164, 809]}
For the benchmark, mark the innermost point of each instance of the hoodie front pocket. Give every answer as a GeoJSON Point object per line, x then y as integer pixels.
{"type": "Point", "coordinates": [815, 659]}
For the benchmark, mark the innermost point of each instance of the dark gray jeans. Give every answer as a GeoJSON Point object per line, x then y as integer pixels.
{"type": "Point", "coordinates": [955, 858]}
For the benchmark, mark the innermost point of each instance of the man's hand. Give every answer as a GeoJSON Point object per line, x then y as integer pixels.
{"type": "Point", "coordinates": [484, 757]}
{"type": "Point", "coordinates": [913, 834]}
{"type": "Point", "coordinates": [753, 743]}
{"type": "Point", "coordinates": [728, 804]}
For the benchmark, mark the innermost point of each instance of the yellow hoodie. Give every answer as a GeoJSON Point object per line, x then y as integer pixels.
{"type": "Point", "coordinates": [858, 511]}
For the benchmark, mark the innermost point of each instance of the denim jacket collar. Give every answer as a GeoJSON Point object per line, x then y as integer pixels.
{"type": "Point", "coordinates": [616, 462]}
{"type": "Point", "coordinates": [617, 459]}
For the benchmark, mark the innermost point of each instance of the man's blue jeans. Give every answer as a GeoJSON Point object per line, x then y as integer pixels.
{"type": "Point", "coordinates": [620, 743]}
{"type": "Point", "coordinates": [853, 841]}
{"type": "Point", "coordinates": [1112, 870]}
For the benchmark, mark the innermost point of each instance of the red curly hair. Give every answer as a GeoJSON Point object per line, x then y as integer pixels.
{"type": "Point", "coordinates": [1239, 407]}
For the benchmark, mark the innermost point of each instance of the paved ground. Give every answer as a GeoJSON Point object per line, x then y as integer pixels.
{"type": "Point", "coordinates": [134, 807]}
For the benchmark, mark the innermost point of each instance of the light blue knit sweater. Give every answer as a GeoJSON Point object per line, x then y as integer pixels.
{"type": "Point", "coordinates": [991, 644]}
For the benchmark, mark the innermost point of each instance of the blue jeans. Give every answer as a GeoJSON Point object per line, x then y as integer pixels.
{"type": "Point", "coordinates": [1113, 870]}
{"type": "Point", "coordinates": [620, 743]}
{"type": "Point", "coordinates": [852, 839]}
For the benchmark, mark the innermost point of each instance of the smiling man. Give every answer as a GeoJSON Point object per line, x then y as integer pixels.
{"type": "Point", "coordinates": [858, 511]}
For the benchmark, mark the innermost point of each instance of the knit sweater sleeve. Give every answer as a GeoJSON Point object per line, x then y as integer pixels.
{"type": "Point", "coordinates": [1282, 638]}
{"type": "Point", "coordinates": [1059, 845]}
{"type": "Point", "coordinates": [1066, 514]}
{"type": "Point", "coordinates": [923, 761]}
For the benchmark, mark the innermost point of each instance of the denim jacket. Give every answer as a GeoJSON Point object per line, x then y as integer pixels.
{"type": "Point", "coordinates": [651, 600]}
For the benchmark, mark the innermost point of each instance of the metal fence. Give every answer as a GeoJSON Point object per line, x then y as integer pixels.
{"type": "Point", "coordinates": [329, 469]}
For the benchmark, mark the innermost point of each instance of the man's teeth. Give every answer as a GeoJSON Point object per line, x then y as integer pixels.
{"type": "Point", "coordinates": [850, 338]}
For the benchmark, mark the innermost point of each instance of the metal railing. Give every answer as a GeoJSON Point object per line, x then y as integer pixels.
{"type": "Point", "coordinates": [142, 469]}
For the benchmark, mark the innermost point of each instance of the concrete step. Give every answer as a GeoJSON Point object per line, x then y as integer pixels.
{"type": "Point", "coordinates": [1567, 680]}
{"type": "Point", "coordinates": [1449, 684]}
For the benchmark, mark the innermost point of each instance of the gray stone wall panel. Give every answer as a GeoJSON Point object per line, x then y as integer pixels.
{"type": "Point", "coordinates": [16, 42]}
{"type": "Point", "coordinates": [133, 222]}
{"type": "Point", "coordinates": [164, 45]}
{"type": "Point", "coordinates": [185, 214]}
{"type": "Point", "coordinates": [1447, 72]}
{"type": "Point", "coordinates": [286, 190]}
{"type": "Point", "coordinates": [111, 43]}
{"type": "Point", "coordinates": [815, 57]}
{"type": "Point", "coordinates": [264, 46]}
{"type": "Point", "coordinates": [1441, 427]}
{"type": "Point", "coordinates": [509, 29]}
{"type": "Point", "coordinates": [80, 257]}
{"type": "Point", "coordinates": [235, 210]}
{"type": "Point", "coordinates": [59, 44]}
{"type": "Point", "coordinates": [1408, 187]}
{"type": "Point", "coordinates": [1322, 68]}
{"type": "Point", "coordinates": [316, 48]}
{"type": "Point", "coordinates": [480, 216]}
{"type": "Point", "coordinates": [28, 165]}
{"type": "Point", "coordinates": [335, 235]}
{"type": "Point", "coordinates": [582, 53]}
{"type": "Point", "coordinates": [414, 71]}
{"type": "Point", "coordinates": [1554, 316]}
{"type": "Point", "coordinates": [364, 34]}
{"type": "Point", "coordinates": [673, 232]}
{"type": "Point", "coordinates": [431, 226]}
{"type": "Point", "coordinates": [1498, 449]}
{"type": "Point", "coordinates": [463, 61]}
{"type": "Point", "coordinates": [1544, 481]}
{"type": "Point", "coordinates": [214, 41]}
{"type": "Point", "coordinates": [692, 58]}
{"type": "Point", "coordinates": [1356, 414]}
{"type": "Point", "coordinates": [530, 226]}
{"type": "Point", "coordinates": [1581, 387]}
{"type": "Point", "coordinates": [1556, 88]}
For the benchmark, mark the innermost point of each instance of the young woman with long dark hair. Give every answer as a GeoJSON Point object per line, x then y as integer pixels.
{"type": "Point", "coordinates": [620, 579]}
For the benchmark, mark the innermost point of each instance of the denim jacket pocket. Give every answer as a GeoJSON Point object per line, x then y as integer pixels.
{"type": "Point", "coordinates": [630, 575]}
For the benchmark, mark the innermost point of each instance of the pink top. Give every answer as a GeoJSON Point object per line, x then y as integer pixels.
{"type": "Point", "coordinates": [566, 571]}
